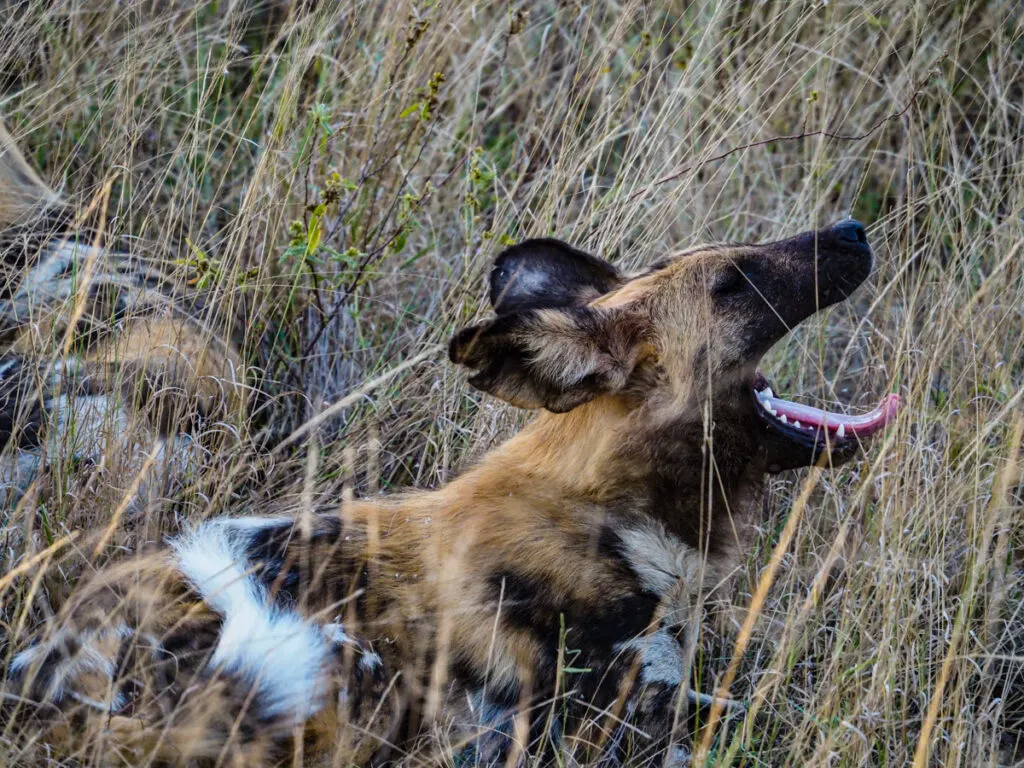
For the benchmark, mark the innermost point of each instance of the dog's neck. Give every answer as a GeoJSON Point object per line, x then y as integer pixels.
{"type": "Point", "coordinates": [572, 452]}
{"type": "Point", "coordinates": [626, 462]}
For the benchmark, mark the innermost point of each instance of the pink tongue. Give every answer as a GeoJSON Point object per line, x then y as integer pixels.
{"type": "Point", "coordinates": [861, 426]}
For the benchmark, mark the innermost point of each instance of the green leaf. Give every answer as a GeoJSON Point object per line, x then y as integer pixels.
{"type": "Point", "coordinates": [413, 259]}
{"type": "Point", "coordinates": [315, 231]}
{"type": "Point", "coordinates": [293, 252]}
{"type": "Point", "coordinates": [198, 252]}
{"type": "Point", "coordinates": [409, 110]}
{"type": "Point", "coordinates": [400, 241]}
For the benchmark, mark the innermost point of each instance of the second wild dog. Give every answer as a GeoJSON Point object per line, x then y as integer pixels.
{"type": "Point", "coordinates": [544, 601]}
{"type": "Point", "coordinates": [104, 358]}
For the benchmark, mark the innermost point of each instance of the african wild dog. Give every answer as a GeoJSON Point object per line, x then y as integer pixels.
{"type": "Point", "coordinates": [545, 599]}
{"type": "Point", "coordinates": [103, 357]}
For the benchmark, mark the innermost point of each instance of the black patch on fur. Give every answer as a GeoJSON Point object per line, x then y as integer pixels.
{"type": "Point", "coordinates": [280, 569]}
{"type": "Point", "coordinates": [325, 570]}
{"type": "Point", "coordinates": [676, 477]}
{"type": "Point", "coordinates": [594, 667]}
{"type": "Point", "coordinates": [591, 631]}
{"type": "Point", "coordinates": [188, 646]}
{"type": "Point", "coordinates": [35, 679]}
{"type": "Point", "coordinates": [544, 272]}
{"type": "Point", "coordinates": [22, 407]}
{"type": "Point", "coordinates": [474, 679]}
{"type": "Point", "coordinates": [700, 359]}
{"type": "Point", "coordinates": [609, 544]}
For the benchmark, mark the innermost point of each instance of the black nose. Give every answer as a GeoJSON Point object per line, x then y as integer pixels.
{"type": "Point", "coordinates": [852, 231]}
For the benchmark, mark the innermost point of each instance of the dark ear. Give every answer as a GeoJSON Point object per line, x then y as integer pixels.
{"type": "Point", "coordinates": [548, 273]}
{"type": "Point", "coordinates": [549, 358]}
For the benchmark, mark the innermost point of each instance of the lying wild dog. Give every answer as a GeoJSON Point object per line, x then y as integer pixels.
{"type": "Point", "coordinates": [542, 600]}
{"type": "Point", "coordinates": [103, 357]}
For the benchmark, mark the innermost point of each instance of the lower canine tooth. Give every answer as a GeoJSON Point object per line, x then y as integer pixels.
{"type": "Point", "coordinates": [782, 418]}
{"type": "Point", "coordinates": [796, 424]}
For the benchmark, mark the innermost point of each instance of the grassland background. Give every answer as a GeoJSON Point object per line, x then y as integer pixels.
{"type": "Point", "coordinates": [894, 616]}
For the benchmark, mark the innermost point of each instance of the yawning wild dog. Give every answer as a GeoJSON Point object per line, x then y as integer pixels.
{"type": "Point", "coordinates": [541, 601]}
{"type": "Point", "coordinates": [104, 357]}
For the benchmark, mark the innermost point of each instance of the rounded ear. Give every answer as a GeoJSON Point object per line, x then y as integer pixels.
{"type": "Point", "coordinates": [545, 272]}
{"type": "Point", "coordinates": [549, 358]}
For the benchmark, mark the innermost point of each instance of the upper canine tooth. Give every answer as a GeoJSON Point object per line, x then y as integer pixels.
{"type": "Point", "coordinates": [768, 392]}
{"type": "Point", "coordinates": [841, 432]}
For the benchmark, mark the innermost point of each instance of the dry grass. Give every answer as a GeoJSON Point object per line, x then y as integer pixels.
{"type": "Point", "coordinates": [889, 635]}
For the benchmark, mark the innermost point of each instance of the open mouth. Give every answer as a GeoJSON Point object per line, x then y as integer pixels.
{"type": "Point", "coordinates": [814, 423]}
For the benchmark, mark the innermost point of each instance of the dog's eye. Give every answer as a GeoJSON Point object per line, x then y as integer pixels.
{"type": "Point", "coordinates": [729, 282]}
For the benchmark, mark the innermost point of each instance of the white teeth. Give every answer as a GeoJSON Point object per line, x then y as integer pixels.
{"type": "Point", "coordinates": [765, 397]}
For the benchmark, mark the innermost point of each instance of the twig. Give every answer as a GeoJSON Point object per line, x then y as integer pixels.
{"type": "Point", "coordinates": [721, 696]}
{"type": "Point", "coordinates": [130, 496]}
{"type": "Point", "coordinates": [353, 397]}
{"type": "Point", "coordinates": [980, 567]}
{"type": "Point", "coordinates": [29, 564]}
{"type": "Point", "coordinates": [875, 127]}
{"type": "Point", "coordinates": [378, 248]}
{"type": "Point", "coordinates": [370, 257]}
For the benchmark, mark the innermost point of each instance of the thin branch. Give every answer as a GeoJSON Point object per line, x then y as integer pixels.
{"type": "Point", "coordinates": [829, 134]}
{"type": "Point", "coordinates": [354, 396]}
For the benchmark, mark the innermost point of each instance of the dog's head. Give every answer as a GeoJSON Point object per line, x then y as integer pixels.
{"type": "Point", "coordinates": [688, 331]}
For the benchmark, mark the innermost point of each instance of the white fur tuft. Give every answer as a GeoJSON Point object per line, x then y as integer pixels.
{"type": "Point", "coordinates": [661, 655]}
{"type": "Point", "coordinates": [274, 648]}
{"type": "Point", "coordinates": [661, 560]}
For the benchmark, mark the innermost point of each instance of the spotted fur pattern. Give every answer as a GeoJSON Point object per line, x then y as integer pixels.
{"type": "Point", "coordinates": [191, 655]}
{"type": "Point", "coordinates": [546, 602]}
